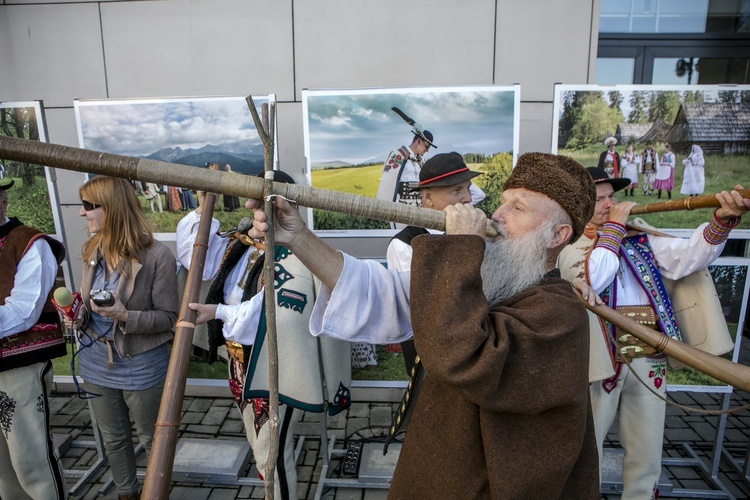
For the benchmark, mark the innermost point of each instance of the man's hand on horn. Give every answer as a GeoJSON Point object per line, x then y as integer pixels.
{"type": "Point", "coordinates": [288, 225]}
{"type": "Point", "coordinates": [732, 205]}
{"type": "Point", "coordinates": [463, 218]}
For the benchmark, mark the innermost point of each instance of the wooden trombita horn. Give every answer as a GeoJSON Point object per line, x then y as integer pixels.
{"type": "Point", "coordinates": [214, 181]}
{"type": "Point", "coordinates": [81, 160]}
{"type": "Point", "coordinates": [161, 459]}
{"type": "Point", "coordinates": [690, 203]}
{"type": "Point", "coordinates": [719, 368]}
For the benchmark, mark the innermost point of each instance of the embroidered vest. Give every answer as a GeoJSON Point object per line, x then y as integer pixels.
{"type": "Point", "coordinates": [44, 340]}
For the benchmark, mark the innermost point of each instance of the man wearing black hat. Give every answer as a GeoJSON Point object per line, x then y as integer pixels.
{"type": "Point", "coordinates": [444, 180]}
{"type": "Point", "coordinates": [504, 409]}
{"type": "Point", "coordinates": [627, 268]}
{"type": "Point", "coordinates": [236, 318]}
{"type": "Point", "coordinates": [30, 336]}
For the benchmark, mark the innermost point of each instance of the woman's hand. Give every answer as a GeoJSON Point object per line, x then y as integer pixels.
{"type": "Point", "coordinates": [116, 311]}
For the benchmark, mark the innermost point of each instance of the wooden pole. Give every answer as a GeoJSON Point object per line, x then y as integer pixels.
{"type": "Point", "coordinates": [161, 459]}
{"type": "Point", "coordinates": [265, 128]}
{"type": "Point", "coordinates": [232, 183]}
{"type": "Point", "coordinates": [690, 203]}
{"type": "Point", "coordinates": [722, 369]}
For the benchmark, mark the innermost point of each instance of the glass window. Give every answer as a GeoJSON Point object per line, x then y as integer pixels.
{"type": "Point", "coordinates": [674, 16]}
{"type": "Point", "coordinates": [614, 70]}
{"type": "Point", "coordinates": [704, 70]}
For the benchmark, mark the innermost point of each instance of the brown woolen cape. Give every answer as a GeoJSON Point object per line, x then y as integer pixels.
{"type": "Point", "coordinates": [504, 411]}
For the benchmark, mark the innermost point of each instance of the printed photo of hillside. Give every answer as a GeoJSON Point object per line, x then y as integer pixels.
{"type": "Point", "coordinates": [188, 131]}
{"type": "Point", "coordinates": [350, 133]}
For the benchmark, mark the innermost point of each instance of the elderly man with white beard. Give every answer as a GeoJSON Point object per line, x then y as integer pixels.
{"type": "Point", "coordinates": [504, 411]}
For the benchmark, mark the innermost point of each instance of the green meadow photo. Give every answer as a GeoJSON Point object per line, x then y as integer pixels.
{"type": "Point", "coordinates": [349, 134]}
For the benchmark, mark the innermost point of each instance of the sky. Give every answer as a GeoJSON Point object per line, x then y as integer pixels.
{"type": "Point", "coordinates": [354, 126]}
{"type": "Point", "coordinates": [140, 128]}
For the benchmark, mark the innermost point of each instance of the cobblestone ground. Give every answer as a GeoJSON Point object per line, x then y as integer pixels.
{"type": "Point", "coordinates": [218, 418]}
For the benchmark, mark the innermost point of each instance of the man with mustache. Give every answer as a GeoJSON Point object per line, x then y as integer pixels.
{"type": "Point", "coordinates": [504, 410]}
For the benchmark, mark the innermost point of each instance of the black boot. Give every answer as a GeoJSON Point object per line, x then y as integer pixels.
{"type": "Point", "coordinates": [669, 194]}
{"type": "Point", "coordinates": [659, 194]}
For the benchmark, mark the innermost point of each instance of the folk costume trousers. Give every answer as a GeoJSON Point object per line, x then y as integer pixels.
{"type": "Point", "coordinates": [29, 464]}
{"type": "Point", "coordinates": [285, 477]}
{"type": "Point", "coordinates": [648, 181]}
{"type": "Point", "coordinates": [112, 411]}
{"type": "Point", "coordinates": [641, 426]}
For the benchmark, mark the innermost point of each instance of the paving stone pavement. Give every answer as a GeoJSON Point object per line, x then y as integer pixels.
{"type": "Point", "coordinates": [217, 418]}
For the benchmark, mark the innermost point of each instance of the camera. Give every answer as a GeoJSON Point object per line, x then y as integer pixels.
{"type": "Point", "coordinates": [102, 298]}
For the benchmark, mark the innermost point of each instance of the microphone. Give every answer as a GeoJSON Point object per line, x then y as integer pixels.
{"type": "Point", "coordinates": [243, 226]}
{"type": "Point", "coordinates": [67, 303]}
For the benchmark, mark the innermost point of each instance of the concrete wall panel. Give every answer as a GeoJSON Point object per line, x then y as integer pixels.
{"type": "Point", "coordinates": [541, 43]}
{"type": "Point", "coordinates": [359, 43]}
{"type": "Point", "coordinates": [50, 52]}
{"type": "Point", "coordinates": [202, 47]}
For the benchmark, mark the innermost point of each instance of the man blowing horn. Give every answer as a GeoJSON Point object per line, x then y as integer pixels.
{"type": "Point", "coordinates": [492, 321]}
{"type": "Point", "coordinates": [628, 269]}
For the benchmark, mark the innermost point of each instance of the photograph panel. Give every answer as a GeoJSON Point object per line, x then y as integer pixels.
{"type": "Point", "coordinates": [193, 131]}
{"type": "Point", "coordinates": [360, 141]}
{"type": "Point", "coordinates": [672, 142]}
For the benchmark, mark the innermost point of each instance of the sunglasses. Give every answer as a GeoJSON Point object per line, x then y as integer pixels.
{"type": "Point", "coordinates": [88, 206]}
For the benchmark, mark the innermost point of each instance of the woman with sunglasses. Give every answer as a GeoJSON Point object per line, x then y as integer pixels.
{"type": "Point", "coordinates": [122, 353]}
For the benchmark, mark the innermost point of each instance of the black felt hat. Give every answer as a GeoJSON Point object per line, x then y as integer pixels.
{"type": "Point", "coordinates": [6, 184]}
{"type": "Point", "coordinates": [425, 135]}
{"type": "Point", "coordinates": [601, 177]}
{"type": "Point", "coordinates": [444, 169]}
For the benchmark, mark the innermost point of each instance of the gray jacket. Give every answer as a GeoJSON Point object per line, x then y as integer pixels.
{"type": "Point", "coordinates": [150, 296]}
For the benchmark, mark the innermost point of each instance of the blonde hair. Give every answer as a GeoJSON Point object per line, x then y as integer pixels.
{"type": "Point", "coordinates": [125, 230]}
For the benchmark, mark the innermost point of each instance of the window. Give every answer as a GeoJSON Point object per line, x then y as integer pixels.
{"type": "Point", "coordinates": [674, 42]}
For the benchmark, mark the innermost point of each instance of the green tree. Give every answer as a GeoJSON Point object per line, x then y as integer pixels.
{"type": "Point", "coordinates": [637, 103]}
{"type": "Point", "coordinates": [663, 105]}
{"type": "Point", "coordinates": [496, 170]}
{"type": "Point", "coordinates": [597, 120]}
{"type": "Point", "coordinates": [21, 123]}
{"type": "Point", "coordinates": [693, 97]}
{"type": "Point", "coordinates": [615, 99]}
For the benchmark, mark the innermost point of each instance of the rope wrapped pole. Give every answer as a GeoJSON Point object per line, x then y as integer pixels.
{"type": "Point", "coordinates": [142, 169]}
{"type": "Point", "coordinates": [265, 128]}
{"type": "Point", "coordinates": [161, 459]}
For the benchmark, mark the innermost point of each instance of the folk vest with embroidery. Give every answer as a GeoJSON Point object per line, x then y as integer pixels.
{"type": "Point", "coordinates": [44, 340]}
{"type": "Point", "coordinates": [636, 252]}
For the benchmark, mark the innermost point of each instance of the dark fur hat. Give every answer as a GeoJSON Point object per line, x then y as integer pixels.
{"type": "Point", "coordinates": [560, 178]}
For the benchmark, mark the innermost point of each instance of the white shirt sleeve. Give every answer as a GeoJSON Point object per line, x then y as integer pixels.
{"type": "Point", "coordinates": [679, 257]}
{"type": "Point", "coordinates": [241, 320]}
{"type": "Point", "coordinates": [187, 232]}
{"type": "Point", "coordinates": [369, 304]}
{"type": "Point", "coordinates": [398, 256]}
{"type": "Point", "coordinates": [477, 195]}
{"type": "Point", "coordinates": [675, 258]}
{"type": "Point", "coordinates": [35, 276]}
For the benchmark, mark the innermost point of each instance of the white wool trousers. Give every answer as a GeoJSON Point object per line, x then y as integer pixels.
{"type": "Point", "coordinates": [29, 464]}
{"type": "Point", "coordinates": [641, 423]}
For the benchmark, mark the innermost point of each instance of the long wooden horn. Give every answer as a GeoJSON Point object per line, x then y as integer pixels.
{"type": "Point", "coordinates": [161, 459]}
{"type": "Point", "coordinates": [719, 368]}
{"type": "Point", "coordinates": [690, 203]}
{"type": "Point", "coordinates": [173, 174]}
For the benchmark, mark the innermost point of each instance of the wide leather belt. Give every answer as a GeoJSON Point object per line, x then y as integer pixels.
{"type": "Point", "coordinates": [630, 347]}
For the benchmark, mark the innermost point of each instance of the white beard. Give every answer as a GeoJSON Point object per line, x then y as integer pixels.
{"type": "Point", "coordinates": [512, 265]}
